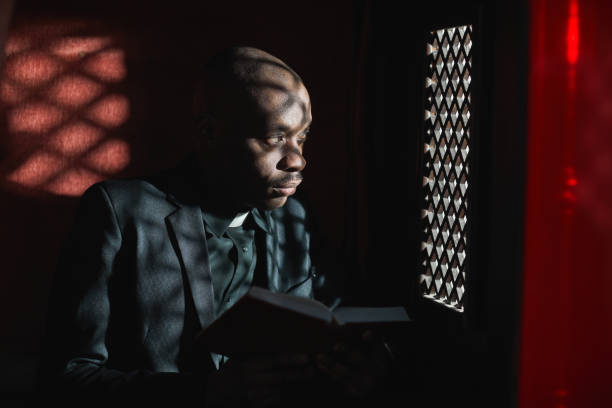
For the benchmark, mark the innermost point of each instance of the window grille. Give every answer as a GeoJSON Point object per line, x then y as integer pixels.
{"type": "Point", "coordinates": [446, 165]}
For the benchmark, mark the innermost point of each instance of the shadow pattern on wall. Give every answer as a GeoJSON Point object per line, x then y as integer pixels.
{"type": "Point", "coordinates": [62, 103]}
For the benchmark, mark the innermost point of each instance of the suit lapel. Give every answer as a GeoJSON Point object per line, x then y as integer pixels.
{"type": "Point", "coordinates": [187, 229]}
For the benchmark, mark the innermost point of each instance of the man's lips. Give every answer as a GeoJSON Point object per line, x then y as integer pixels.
{"type": "Point", "coordinates": [286, 189]}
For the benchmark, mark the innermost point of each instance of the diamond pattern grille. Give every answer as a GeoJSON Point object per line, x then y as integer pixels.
{"type": "Point", "coordinates": [446, 165]}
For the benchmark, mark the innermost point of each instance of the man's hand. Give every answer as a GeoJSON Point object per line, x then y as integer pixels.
{"type": "Point", "coordinates": [358, 369]}
{"type": "Point", "coordinates": [259, 381]}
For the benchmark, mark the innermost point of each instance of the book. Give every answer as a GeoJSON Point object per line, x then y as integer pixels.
{"type": "Point", "coordinates": [262, 321]}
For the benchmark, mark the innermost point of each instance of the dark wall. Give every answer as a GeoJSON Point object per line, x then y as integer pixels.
{"type": "Point", "coordinates": [99, 89]}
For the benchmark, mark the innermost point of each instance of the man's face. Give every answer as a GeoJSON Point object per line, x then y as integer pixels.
{"type": "Point", "coordinates": [264, 154]}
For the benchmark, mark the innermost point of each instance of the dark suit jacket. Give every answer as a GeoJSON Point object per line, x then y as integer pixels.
{"type": "Point", "coordinates": [133, 288]}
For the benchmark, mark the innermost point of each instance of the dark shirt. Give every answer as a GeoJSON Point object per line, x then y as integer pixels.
{"type": "Point", "coordinates": [232, 256]}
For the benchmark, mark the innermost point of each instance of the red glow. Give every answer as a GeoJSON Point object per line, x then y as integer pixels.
{"type": "Point", "coordinates": [572, 33]}
{"type": "Point", "coordinates": [566, 336]}
{"type": "Point", "coordinates": [111, 156]}
{"type": "Point", "coordinates": [74, 91]}
{"type": "Point", "coordinates": [107, 65]}
{"type": "Point", "coordinates": [570, 177]}
{"type": "Point", "coordinates": [75, 139]}
{"type": "Point", "coordinates": [61, 110]}
{"type": "Point", "coordinates": [32, 69]}
{"type": "Point", "coordinates": [35, 117]}
{"type": "Point", "coordinates": [37, 169]}
{"type": "Point", "coordinates": [569, 196]}
{"type": "Point", "coordinates": [11, 94]}
{"type": "Point", "coordinates": [15, 44]}
{"type": "Point", "coordinates": [72, 182]}
{"type": "Point", "coordinates": [76, 47]}
{"type": "Point", "coordinates": [111, 111]}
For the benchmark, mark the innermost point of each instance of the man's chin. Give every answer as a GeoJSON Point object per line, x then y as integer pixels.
{"type": "Point", "coordinates": [273, 203]}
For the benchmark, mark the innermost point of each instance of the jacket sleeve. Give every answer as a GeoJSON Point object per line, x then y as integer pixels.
{"type": "Point", "coordinates": [73, 365]}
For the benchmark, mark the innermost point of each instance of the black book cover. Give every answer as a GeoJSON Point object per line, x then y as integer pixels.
{"type": "Point", "coordinates": [262, 321]}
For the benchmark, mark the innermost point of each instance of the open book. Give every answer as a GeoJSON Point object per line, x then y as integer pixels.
{"type": "Point", "coordinates": [264, 321]}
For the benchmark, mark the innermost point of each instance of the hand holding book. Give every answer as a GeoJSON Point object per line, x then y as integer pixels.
{"type": "Point", "coordinates": [266, 322]}
{"type": "Point", "coordinates": [344, 346]}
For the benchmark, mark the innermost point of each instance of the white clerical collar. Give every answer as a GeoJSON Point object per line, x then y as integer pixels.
{"type": "Point", "coordinates": [239, 219]}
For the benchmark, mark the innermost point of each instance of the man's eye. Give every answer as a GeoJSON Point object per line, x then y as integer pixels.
{"type": "Point", "coordinates": [275, 139]}
{"type": "Point", "coordinates": [301, 141]}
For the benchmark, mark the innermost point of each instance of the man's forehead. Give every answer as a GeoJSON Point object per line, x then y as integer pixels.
{"type": "Point", "coordinates": [291, 107]}
{"type": "Point", "coordinates": [275, 99]}
{"type": "Point", "coordinates": [274, 73]}
{"type": "Point", "coordinates": [290, 118]}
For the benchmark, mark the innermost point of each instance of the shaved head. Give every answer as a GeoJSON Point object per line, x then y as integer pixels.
{"type": "Point", "coordinates": [243, 77]}
{"type": "Point", "coordinates": [253, 114]}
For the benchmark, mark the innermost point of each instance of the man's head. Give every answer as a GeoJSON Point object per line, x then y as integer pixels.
{"type": "Point", "coordinates": [253, 115]}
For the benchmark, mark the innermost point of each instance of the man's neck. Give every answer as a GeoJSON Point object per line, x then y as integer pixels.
{"type": "Point", "coordinates": [217, 197]}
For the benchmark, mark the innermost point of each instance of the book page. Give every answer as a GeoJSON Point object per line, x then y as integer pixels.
{"type": "Point", "coordinates": [347, 315]}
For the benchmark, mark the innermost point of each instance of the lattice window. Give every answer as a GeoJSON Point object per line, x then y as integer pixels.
{"type": "Point", "coordinates": [446, 165]}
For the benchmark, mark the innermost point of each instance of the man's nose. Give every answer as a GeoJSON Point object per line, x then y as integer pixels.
{"type": "Point", "coordinates": [293, 160]}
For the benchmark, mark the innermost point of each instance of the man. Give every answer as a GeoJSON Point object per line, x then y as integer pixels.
{"type": "Point", "coordinates": [153, 261]}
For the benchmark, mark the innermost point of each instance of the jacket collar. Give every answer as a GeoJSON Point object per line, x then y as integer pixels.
{"type": "Point", "coordinates": [218, 224]}
{"type": "Point", "coordinates": [188, 235]}
{"type": "Point", "coordinates": [182, 187]}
